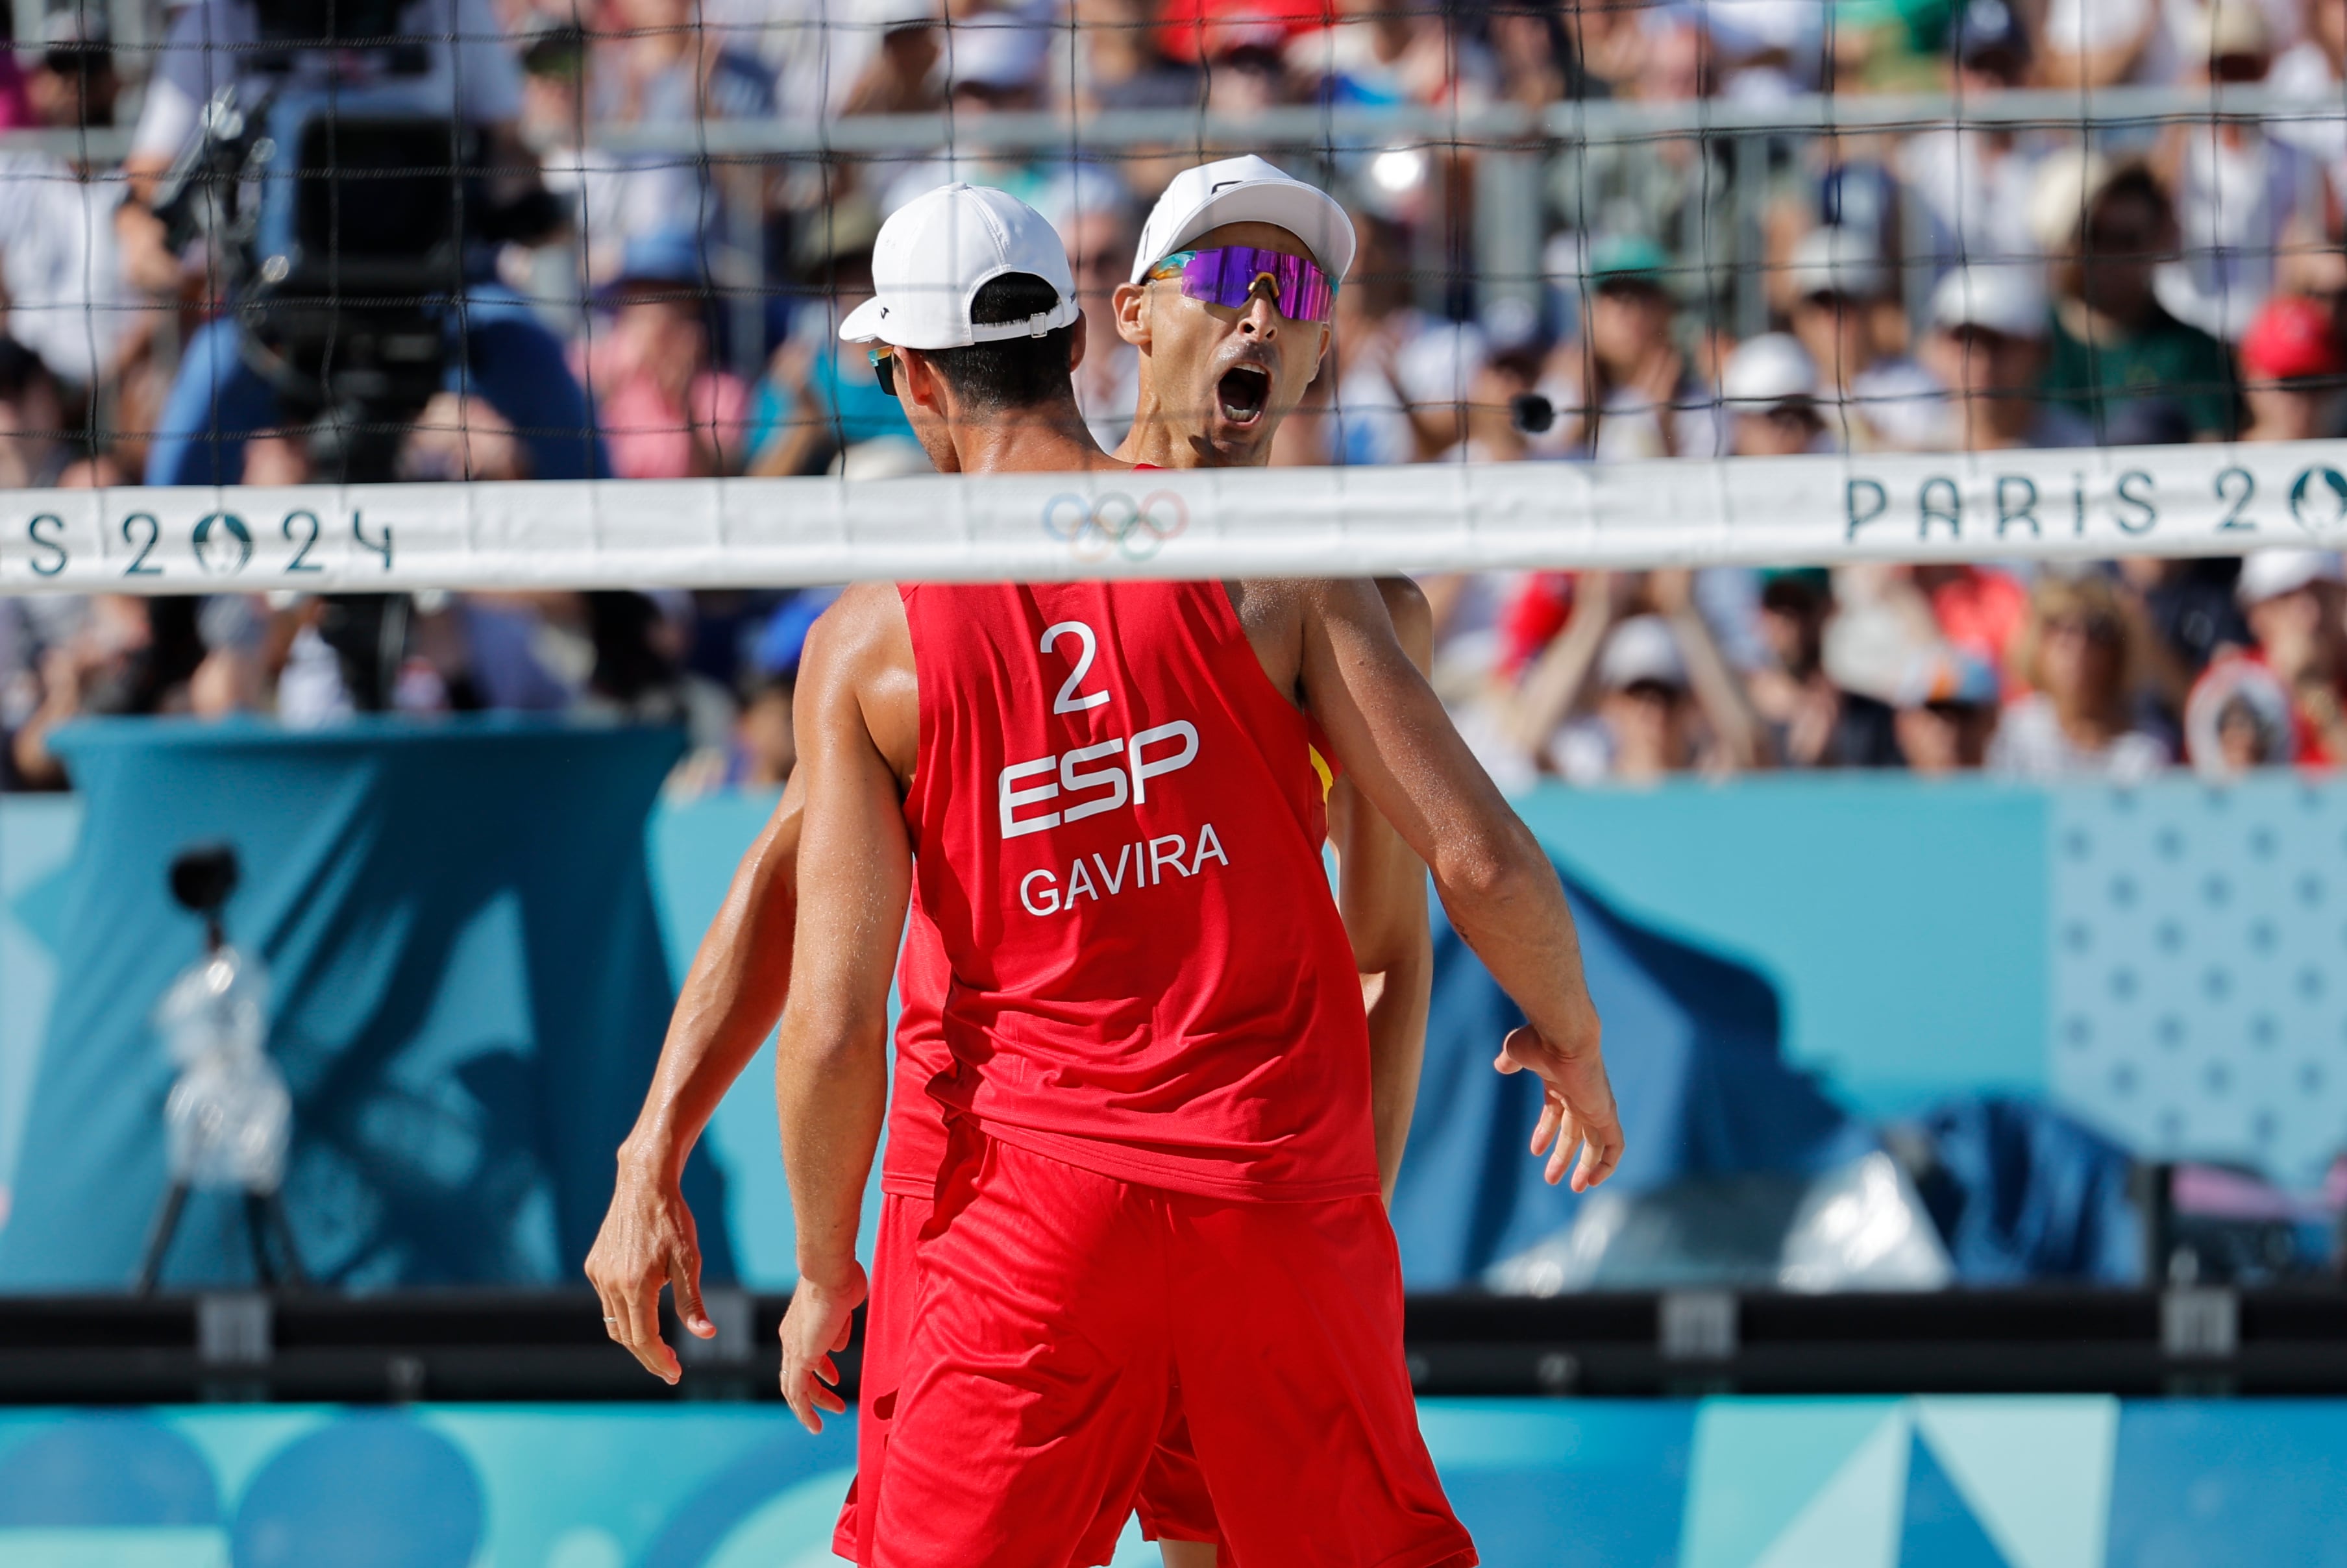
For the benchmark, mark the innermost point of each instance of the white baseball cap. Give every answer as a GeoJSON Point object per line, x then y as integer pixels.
{"type": "Point", "coordinates": [2270, 574]}
{"type": "Point", "coordinates": [2006, 300]}
{"type": "Point", "coordinates": [1642, 649]}
{"type": "Point", "coordinates": [938, 250]}
{"type": "Point", "coordinates": [1768, 370]}
{"type": "Point", "coordinates": [1833, 260]}
{"type": "Point", "coordinates": [1244, 190]}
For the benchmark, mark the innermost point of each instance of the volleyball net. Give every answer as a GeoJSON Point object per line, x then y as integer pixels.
{"type": "Point", "coordinates": [490, 294]}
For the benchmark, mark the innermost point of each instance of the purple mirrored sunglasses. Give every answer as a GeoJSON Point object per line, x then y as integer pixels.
{"type": "Point", "coordinates": [1229, 275]}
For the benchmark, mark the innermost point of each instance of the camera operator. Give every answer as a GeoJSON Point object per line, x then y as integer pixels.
{"type": "Point", "coordinates": [451, 57]}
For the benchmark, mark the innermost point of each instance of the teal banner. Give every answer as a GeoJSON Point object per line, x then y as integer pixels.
{"type": "Point", "coordinates": [1724, 1483]}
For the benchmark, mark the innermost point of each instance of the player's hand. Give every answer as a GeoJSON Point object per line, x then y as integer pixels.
{"type": "Point", "coordinates": [817, 1326]}
{"type": "Point", "coordinates": [647, 1240]}
{"type": "Point", "coordinates": [1577, 1107]}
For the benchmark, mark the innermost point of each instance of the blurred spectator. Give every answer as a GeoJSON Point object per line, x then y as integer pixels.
{"type": "Point", "coordinates": [1975, 181]}
{"type": "Point", "coordinates": [2241, 717]}
{"type": "Point", "coordinates": [762, 750]}
{"type": "Point", "coordinates": [616, 200]}
{"type": "Point", "coordinates": [1978, 611]}
{"type": "Point", "coordinates": [2190, 606]}
{"type": "Point", "coordinates": [2237, 188]}
{"type": "Point", "coordinates": [2080, 657]}
{"type": "Point", "coordinates": [1095, 222]}
{"type": "Point", "coordinates": [995, 61]}
{"type": "Point", "coordinates": [656, 65]}
{"type": "Point", "coordinates": [67, 299]}
{"type": "Point", "coordinates": [1195, 31]}
{"type": "Point", "coordinates": [2294, 601]}
{"type": "Point", "coordinates": [1378, 52]}
{"type": "Point", "coordinates": [2314, 68]}
{"type": "Point", "coordinates": [72, 656]}
{"type": "Point", "coordinates": [1988, 344]}
{"type": "Point", "coordinates": [2106, 227]}
{"type": "Point", "coordinates": [1436, 372]}
{"type": "Point", "coordinates": [1635, 688]}
{"type": "Point", "coordinates": [1947, 714]}
{"type": "Point", "coordinates": [1374, 322]}
{"type": "Point", "coordinates": [901, 75]}
{"type": "Point", "coordinates": [1626, 390]}
{"type": "Point", "coordinates": [819, 396]}
{"type": "Point", "coordinates": [1770, 387]}
{"type": "Point", "coordinates": [667, 411]}
{"type": "Point", "coordinates": [1608, 37]}
{"type": "Point", "coordinates": [1813, 721]}
{"type": "Point", "coordinates": [455, 437]}
{"type": "Point", "coordinates": [1122, 63]}
{"type": "Point", "coordinates": [2103, 43]}
{"type": "Point", "coordinates": [2290, 366]}
{"type": "Point", "coordinates": [1838, 284]}
{"type": "Point", "coordinates": [827, 58]}
{"type": "Point", "coordinates": [32, 419]}
{"type": "Point", "coordinates": [638, 672]}
{"type": "Point", "coordinates": [1493, 434]}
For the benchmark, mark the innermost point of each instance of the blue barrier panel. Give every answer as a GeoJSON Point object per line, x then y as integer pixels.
{"type": "Point", "coordinates": [1722, 1483]}
{"type": "Point", "coordinates": [2160, 962]}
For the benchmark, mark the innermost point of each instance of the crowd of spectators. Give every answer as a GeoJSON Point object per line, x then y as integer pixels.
{"type": "Point", "coordinates": [1968, 285]}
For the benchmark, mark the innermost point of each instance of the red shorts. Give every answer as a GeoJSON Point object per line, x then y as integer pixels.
{"type": "Point", "coordinates": [1173, 1504]}
{"type": "Point", "coordinates": [1060, 1311]}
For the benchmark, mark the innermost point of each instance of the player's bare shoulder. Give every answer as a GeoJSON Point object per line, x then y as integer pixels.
{"type": "Point", "coordinates": [1412, 617]}
{"type": "Point", "coordinates": [858, 667]}
{"type": "Point", "coordinates": [1271, 612]}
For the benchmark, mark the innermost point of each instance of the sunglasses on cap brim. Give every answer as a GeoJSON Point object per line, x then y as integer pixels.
{"type": "Point", "coordinates": [1232, 275]}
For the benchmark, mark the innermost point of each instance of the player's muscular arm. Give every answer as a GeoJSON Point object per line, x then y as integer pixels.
{"type": "Point", "coordinates": [1495, 882]}
{"type": "Point", "coordinates": [831, 1060]}
{"type": "Point", "coordinates": [1381, 892]}
{"type": "Point", "coordinates": [732, 997]}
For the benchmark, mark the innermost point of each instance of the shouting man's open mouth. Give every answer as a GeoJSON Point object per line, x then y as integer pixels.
{"type": "Point", "coordinates": [1243, 393]}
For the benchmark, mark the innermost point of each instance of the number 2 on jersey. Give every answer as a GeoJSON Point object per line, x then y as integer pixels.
{"type": "Point", "coordinates": [1070, 700]}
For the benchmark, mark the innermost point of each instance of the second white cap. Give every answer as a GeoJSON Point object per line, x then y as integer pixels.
{"type": "Point", "coordinates": [938, 250]}
{"type": "Point", "coordinates": [1247, 189]}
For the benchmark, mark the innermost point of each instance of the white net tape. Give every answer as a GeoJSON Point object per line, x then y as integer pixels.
{"type": "Point", "coordinates": [2177, 500]}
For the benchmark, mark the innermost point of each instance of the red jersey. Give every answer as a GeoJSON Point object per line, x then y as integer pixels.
{"type": "Point", "coordinates": [917, 1126]}
{"type": "Point", "coordinates": [1117, 824]}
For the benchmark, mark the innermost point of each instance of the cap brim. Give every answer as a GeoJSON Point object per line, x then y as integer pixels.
{"type": "Point", "coordinates": [863, 324]}
{"type": "Point", "coordinates": [1307, 211]}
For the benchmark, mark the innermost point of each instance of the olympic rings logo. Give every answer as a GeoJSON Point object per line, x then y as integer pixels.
{"type": "Point", "coordinates": [1099, 527]}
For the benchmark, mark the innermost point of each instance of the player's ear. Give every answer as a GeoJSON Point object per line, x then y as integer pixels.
{"type": "Point", "coordinates": [918, 382]}
{"type": "Point", "coordinates": [1078, 340]}
{"type": "Point", "coordinates": [1130, 303]}
{"type": "Point", "coordinates": [1321, 351]}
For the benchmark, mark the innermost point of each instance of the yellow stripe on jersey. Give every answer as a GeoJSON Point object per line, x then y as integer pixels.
{"type": "Point", "coordinates": [1320, 766]}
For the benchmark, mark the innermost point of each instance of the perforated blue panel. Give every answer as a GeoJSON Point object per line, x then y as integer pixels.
{"type": "Point", "coordinates": [2199, 933]}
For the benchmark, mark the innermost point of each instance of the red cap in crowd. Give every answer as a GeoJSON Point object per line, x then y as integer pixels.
{"type": "Point", "coordinates": [2291, 337]}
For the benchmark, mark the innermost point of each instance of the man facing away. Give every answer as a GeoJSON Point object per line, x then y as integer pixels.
{"type": "Point", "coordinates": [736, 986]}
{"type": "Point", "coordinates": [1161, 1170]}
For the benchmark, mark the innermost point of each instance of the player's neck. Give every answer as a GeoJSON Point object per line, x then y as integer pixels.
{"type": "Point", "coordinates": [1048, 438]}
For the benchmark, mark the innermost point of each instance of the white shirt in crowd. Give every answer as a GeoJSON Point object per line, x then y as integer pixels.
{"type": "Point", "coordinates": [2029, 745]}
{"type": "Point", "coordinates": [59, 261]}
{"type": "Point", "coordinates": [471, 71]}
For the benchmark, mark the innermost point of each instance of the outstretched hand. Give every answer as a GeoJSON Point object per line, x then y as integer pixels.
{"type": "Point", "coordinates": [816, 1327]}
{"type": "Point", "coordinates": [1577, 1106]}
{"type": "Point", "coordinates": [647, 1240]}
